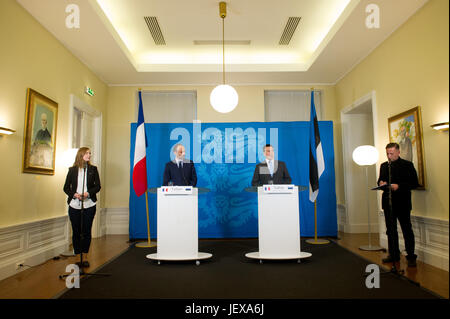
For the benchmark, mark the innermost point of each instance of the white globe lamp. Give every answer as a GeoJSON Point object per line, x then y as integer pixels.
{"type": "Point", "coordinates": [365, 156]}
{"type": "Point", "coordinates": [224, 98]}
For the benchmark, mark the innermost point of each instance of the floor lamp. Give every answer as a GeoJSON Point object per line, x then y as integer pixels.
{"type": "Point", "coordinates": [367, 155]}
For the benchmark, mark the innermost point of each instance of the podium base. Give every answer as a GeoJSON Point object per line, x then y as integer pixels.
{"type": "Point", "coordinates": [146, 244]}
{"type": "Point", "coordinates": [371, 248]}
{"type": "Point", "coordinates": [200, 256]}
{"type": "Point", "coordinates": [317, 241]}
{"type": "Point", "coordinates": [256, 255]}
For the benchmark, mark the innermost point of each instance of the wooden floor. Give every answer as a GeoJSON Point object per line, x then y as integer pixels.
{"type": "Point", "coordinates": [429, 277]}
{"type": "Point", "coordinates": [42, 281]}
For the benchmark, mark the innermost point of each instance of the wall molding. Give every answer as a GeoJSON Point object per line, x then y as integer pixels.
{"type": "Point", "coordinates": [32, 243]}
{"type": "Point", "coordinates": [115, 221]}
{"type": "Point", "coordinates": [431, 236]}
{"type": "Point", "coordinates": [345, 226]}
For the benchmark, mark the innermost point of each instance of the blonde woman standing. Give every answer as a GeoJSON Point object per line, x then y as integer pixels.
{"type": "Point", "coordinates": [81, 186]}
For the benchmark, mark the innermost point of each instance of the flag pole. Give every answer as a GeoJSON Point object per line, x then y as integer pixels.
{"type": "Point", "coordinates": [316, 241]}
{"type": "Point", "coordinates": [148, 243]}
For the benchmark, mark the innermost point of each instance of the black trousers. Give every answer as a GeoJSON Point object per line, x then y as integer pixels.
{"type": "Point", "coordinates": [81, 228]}
{"type": "Point", "coordinates": [404, 217]}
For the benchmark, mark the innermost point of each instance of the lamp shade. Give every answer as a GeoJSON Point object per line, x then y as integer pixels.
{"type": "Point", "coordinates": [365, 155]}
{"type": "Point", "coordinates": [224, 98]}
{"type": "Point", "coordinates": [6, 131]}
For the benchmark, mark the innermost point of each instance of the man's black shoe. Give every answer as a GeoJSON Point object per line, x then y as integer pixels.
{"type": "Point", "coordinates": [389, 259]}
{"type": "Point", "coordinates": [412, 263]}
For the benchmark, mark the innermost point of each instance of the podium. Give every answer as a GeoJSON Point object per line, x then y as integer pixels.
{"type": "Point", "coordinates": [177, 224]}
{"type": "Point", "coordinates": [278, 223]}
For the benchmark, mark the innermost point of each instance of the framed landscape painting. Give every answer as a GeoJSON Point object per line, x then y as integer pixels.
{"type": "Point", "coordinates": [406, 130]}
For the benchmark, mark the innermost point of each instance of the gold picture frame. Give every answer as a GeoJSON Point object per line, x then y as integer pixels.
{"type": "Point", "coordinates": [39, 146]}
{"type": "Point", "coordinates": [406, 130]}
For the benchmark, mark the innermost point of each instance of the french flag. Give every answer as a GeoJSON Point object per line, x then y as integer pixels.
{"type": "Point", "coordinates": [316, 162]}
{"type": "Point", "coordinates": [139, 164]}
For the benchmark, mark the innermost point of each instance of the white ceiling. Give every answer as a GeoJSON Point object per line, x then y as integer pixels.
{"type": "Point", "coordinates": [114, 42]}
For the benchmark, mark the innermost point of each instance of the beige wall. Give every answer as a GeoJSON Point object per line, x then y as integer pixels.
{"type": "Point", "coordinates": [30, 57]}
{"type": "Point", "coordinates": [411, 68]}
{"type": "Point", "coordinates": [122, 108]}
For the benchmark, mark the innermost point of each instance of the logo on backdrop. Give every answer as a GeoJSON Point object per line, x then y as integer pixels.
{"type": "Point", "coordinates": [221, 147]}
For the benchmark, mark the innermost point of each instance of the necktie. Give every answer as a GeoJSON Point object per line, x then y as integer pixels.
{"type": "Point", "coordinates": [271, 167]}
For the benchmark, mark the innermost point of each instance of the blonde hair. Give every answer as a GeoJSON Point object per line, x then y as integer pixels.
{"type": "Point", "coordinates": [79, 162]}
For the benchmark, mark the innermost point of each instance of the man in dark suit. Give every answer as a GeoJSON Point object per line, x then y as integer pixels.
{"type": "Point", "coordinates": [270, 171]}
{"type": "Point", "coordinates": [402, 177]}
{"type": "Point", "coordinates": [180, 171]}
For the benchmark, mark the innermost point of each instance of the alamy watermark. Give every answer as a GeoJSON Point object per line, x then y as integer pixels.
{"type": "Point", "coordinates": [373, 279]}
{"type": "Point", "coordinates": [73, 17]}
{"type": "Point", "coordinates": [73, 280]}
{"type": "Point", "coordinates": [224, 146]}
{"type": "Point", "coordinates": [373, 19]}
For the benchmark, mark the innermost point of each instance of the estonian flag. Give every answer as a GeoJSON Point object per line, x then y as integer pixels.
{"type": "Point", "coordinates": [316, 162]}
{"type": "Point", "coordinates": [140, 162]}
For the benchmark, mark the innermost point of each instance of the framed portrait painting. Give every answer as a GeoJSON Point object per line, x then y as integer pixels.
{"type": "Point", "coordinates": [39, 148]}
{"type": "Point", "coordinates": [406, 130]}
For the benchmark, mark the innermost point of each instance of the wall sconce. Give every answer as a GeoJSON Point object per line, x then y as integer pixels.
{"type": "Point", "coordinates": [440, 126]}
{"type": "Point", "coordinates": [6, 131]}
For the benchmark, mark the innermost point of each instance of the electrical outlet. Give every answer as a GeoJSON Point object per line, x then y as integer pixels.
{"type": "Point", "coordinates": [19, 265]}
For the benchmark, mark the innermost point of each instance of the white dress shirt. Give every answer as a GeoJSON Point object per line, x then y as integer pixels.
{"type": "Point", "coordinates": [87, 202]}
{"type": "Point", "coordinates": [270, 165]}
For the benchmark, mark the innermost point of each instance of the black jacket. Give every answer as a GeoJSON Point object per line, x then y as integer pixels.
{"type": "Point", "coordinates": [180, 177]}
{"type": "Point", "coordinates": [261, 176]}
{"type": "Point", "coordinates": [93, 183]}
{"type": "Point", "coordinates": [404, 174]}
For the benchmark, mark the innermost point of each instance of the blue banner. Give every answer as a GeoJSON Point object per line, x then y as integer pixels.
{"type": "Point", "coordinates": [225, 156]}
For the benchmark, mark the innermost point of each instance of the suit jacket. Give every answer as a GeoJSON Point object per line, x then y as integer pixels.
{"type": "Point", "coordinates": [262, 175]}
{"type": "Point", "coordinates": [404, 174]}
{"type": "Point", "coordinates": [93, 182]}
{"type": "Point", "coordinates": [185, 176]}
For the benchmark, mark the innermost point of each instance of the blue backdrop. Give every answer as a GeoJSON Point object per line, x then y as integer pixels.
{"type": "Point", "coordinates": [228, 211]}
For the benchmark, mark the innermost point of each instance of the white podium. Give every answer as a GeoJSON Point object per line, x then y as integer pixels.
{"type": "Point", "coordinates": [278, 224]}
{"type": "Point", "coordinates": [177, 225]}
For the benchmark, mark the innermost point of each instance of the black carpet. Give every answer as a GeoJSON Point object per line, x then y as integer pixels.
{"type": "Point", "coordinates": [332, 272]}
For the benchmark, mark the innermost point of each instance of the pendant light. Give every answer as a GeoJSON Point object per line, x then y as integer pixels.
{"type": "Point", "coordinates": [223, 98]}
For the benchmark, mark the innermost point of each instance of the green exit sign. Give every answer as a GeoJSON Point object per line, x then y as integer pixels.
{"type": "Point", "coordinates": [89, 91]}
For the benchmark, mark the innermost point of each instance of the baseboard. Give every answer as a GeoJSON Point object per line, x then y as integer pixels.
{"type": "Point", "coordinates": [431, 236]}
{"type": "Point", "coordinates": [116, 221]}
{"type": "Point", "coordinates": [341, 217]}
{"type": "Point", "coordinates": [32, 244]}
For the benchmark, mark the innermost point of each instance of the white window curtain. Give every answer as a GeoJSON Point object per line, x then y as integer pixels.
{"type": "Point", "coordinates": [168, 107]}
{"type": "Point", "coordinates": [290, 105]}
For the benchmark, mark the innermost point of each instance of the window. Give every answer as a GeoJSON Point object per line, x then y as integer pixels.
{"type": "Point", "coordinates": [169, 107]}
{"type": "Point", "coordinates": [290, 105]}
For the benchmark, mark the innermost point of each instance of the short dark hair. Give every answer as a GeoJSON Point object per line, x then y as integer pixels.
{"type": "Point", "coordinates": [391, 145]}
{"type": "Point", "coordinates": [267, 145]}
